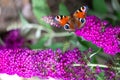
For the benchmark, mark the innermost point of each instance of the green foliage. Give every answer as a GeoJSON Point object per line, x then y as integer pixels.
{"type": "Point", "coordinates": [118, 15]}
{"type": "Point", "coordinates": [54, 46]}
{"type": "Point", "coordinates": [23, 20]}
{"type": "Point", "coordinates": [40, 43]}
{"type": "Point", "coordinates": [103, 11]}
{"type": "Point", "coordinates": [93, 60]}
{"type": "Point", "coordinates": [40, 9]}
{"type": "Point", "coordinates": [66, 46]}
{"type": "Point", "coordinates": [63, 9]}
{"type": "Point", "coordinates": [84, 45]}
{"type": "Point", "coordinates": [115, 5]}
{"type": "Point", "coordinates": [101, 76]}
{"type": "Point", "coordinates": [100, 6]}
{"type": "Point", "coordinates": [99, 9]}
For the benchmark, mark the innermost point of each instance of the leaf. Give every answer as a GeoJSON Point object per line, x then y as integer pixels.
{"type": "Point", "coordinates": [102, 16]}
{"type": "Point", "coordinates": [40, 9]}
{"type": "Point", "coordinates": [94, 60]}
{"type": "Point", "coordinates": [100, 6]}
{"type": "Point", "coordinates": [86, 45]}
{"type": "Point", "coordinates": [56, 45]}
{"type": "Point", "coordinates": [115, 5]}
{"type": "Point", "coordinates": [40, 43]}
{"type": "Point", "coordinates": [83, 45]}
{"type": "Point", "coordinates": [66, 46]}
{"type": "Point", "coordinates": [101, 76]}
{"type": "Point", "coordinates": [93, 46]}
{"type": "Point", "coordinates": [118, 15]}
{"type": "Point", "coordinates": [63, 9]}
{"type": "Point", "coordinates": [23, 20]}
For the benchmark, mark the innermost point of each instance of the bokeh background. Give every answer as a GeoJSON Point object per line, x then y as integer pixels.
{"type": "Point", "coordinates": [26, 15]}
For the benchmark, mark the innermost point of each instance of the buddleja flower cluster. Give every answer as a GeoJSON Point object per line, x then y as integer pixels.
{"type": "Point", "coordinates": [98, 32]}
{"type": "Point", "coordinates": [46, 63]}
{"type": "Point", "coordinates": [13, 39]}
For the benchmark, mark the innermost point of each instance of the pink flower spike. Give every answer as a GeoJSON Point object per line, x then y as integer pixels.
{"type": "Point", "coordinates": [50, 20]}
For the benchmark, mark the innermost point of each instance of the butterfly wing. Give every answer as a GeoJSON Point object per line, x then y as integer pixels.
{"type": "Point", "coordinates": [65, 22]}
{"type": "Point", "coordinates": [81, 12]}
{"type": "Point", "coordinates": [62, 20]}
{"type": "Point", "coordinates": [80, 15]}
{"type": "Point", "coordinates": [70, 22]}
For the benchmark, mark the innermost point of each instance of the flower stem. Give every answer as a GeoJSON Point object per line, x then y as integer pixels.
{"type": "Point", "coordinates": [62, 34]}
{"type": "Point", "coordinates": [96, 65]}
{"type": "Point", "coordinates": [95, 52]}
{"type": "Point", "coordinates": [1, 42]}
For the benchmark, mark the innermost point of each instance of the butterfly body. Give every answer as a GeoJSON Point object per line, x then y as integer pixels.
{"type": "Point", "coordinates": [73, 22]}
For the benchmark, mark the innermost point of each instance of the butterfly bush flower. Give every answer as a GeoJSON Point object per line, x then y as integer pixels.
{"type": "Point", "coordinates": [50, 20]}
{"type": "Point", "coordinates": [13, 39]}
{"type": "Point", "coordinates": [45, 63]}
{"type": "Point", "coordinates": [98, 32]}
{"type": "Point", "coordinates": [103, 35]}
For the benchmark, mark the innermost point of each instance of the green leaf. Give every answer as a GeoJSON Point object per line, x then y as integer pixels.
{"type": "Point", "coordinates": [56, 45]}
{"type": "Point", "coordinates": [40, 43]}
{"type": "Point", "coordinates": [115, 5]}
{"type": "Point", "coordinates": [102, 16]}
{"type": "Point", "coordinates": [63, 9]}
{"type": "Point", "coordinates": [86, 45]}
{"type": "Point", "coordinates": [40, 9]}
{"type": "Point", "coordinates": [100, 6]}
{"type": "Point", "coordinates": [101, 76]}
{"type": "Point", "coordinates": [23, 20]}
{"type": "Point", "coordinates": [93, 46]}
{"type": "Point", "coordinates": [83, 45]}
{"type": "Point", "coordinates": [94, 60]}
{"type": "Point", "coordinates": [66, 46]}
{"type": "Point", "coordinates": [118, 15]}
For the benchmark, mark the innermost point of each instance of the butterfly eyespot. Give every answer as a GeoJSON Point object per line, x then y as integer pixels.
{"type": "Point", "coordinates": [84, 8]}
{"type": "Point", "coordinates": [67, 26]}
{"type": "Point", "coordinates": [57, 17]}
{"type": "Point", "coordinates": [82, 20]}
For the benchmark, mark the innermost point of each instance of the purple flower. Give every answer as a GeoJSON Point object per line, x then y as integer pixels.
{"type": "Point", "coordinates": [103, 35]}
{"type": "Point", "coordinates": [98, 32]}
{"type": "Point", "coordinates": [13, 39]}
{"type": "Point", "coordinates": [109, 73]}
{"type": "Point", "coordinates": [45, 63]}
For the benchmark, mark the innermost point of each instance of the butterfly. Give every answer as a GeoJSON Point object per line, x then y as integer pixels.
{"type": "Point", "coordinates": [73, 22]}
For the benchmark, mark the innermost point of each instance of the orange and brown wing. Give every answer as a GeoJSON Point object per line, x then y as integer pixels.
{"type": "Point", "coordinates": [62, 19]}
{"type": "Point", "coordinates": [81, 13]}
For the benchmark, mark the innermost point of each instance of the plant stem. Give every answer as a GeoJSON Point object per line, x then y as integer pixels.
{"type": "Point", "coordinates": [95, 52]}
{"type": "Point", "coordinates": [96, 65]}
{"type": "Point", "coordinates": [62, 34]}
{"type": "Point", "coordinates": [1, 42]}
